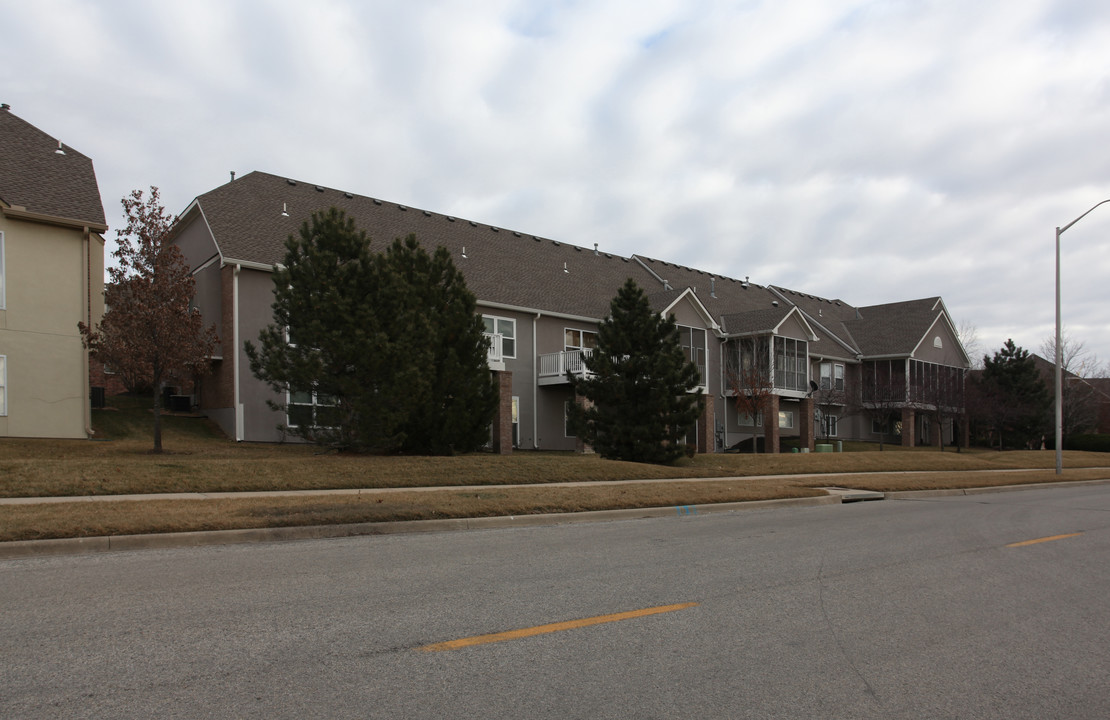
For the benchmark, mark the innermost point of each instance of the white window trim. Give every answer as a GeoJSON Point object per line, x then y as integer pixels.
{"type": "Point", "coordinates": [581, 338]}
{"type": "Point", "coordinates": [497, 331]}
{"type": "Point", "coordinates": [831, 378]}
{"type": "Point", "coordinates": [834, 421]}
{"type": "Point", "coordinates": [3, 385]}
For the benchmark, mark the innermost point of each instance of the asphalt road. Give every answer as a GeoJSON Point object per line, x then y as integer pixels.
{"type": "Point", "coordinates": [893, 609]}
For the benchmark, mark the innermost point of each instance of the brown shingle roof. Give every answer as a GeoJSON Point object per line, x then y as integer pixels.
{"type": "Point", "coordinates": [501, 266]}
{"type": "Point", "coordinates": [35, 177]}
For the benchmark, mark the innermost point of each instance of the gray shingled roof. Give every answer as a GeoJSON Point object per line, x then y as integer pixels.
{"type": "Point", "coordinates": [719, 294]}
{"type": "Point", "coordinates": [525, 271]}
{"type": "Point", "coordinates": [500, 266]}
{"type": "Point", "coordinates": [893, 328]}
{"type": "Point", "coordinates": [35, 177]}
{"type": "Point", "coordinates": [755, 321]}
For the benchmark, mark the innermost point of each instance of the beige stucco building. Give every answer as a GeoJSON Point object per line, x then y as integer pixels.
{"type": "Point", "coordinates": [51, 278]}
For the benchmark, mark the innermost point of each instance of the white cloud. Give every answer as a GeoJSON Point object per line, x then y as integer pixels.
{"type": "Point", "coordinates": [873, 150]}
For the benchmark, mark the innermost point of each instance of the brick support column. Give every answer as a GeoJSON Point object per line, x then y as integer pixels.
{"type": "Point", "coordinates": [909, 428]}
{"type": "Point", "coordinates": [771, 424]}
{"type": "Point", "coordinates": [807, 433]}
{"type": "Point", "coordinates": [503, 419]}
{"type": "Point", "coordinates": [706, 443]}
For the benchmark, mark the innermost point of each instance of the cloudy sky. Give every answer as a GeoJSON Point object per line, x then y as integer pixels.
{"type": "Point", "coordinates": [873, 151]}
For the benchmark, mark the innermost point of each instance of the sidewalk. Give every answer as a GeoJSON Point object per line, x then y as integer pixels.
{"type": "Point", "coordinates": [440, 488]}
{"type": "Point", "coordinates": [87, 545]}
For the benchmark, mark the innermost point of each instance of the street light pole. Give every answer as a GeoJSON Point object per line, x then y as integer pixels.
{"type": "Point", "coordinates": [1060, 349]}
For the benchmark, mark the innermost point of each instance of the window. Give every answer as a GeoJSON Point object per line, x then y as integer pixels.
{"type": "Point", "coordinates": [692, 341]}
{"type": "Point", "coordinates": [745, 419]}
{"type": "Point", "coordinates": [311, 409]}
{"type": "Point", "coordinates": [786, 419]}
{"type": "Point", "coordinates": [2, 284]}
{"type": "Point", "coordinates": [829, 423]}
{"type": "Point", "coordinates": [790, 364]}
{"type": "Point", "coordinates": [832, 376]}
{"type": "Point", "coordinates": [579, 339]}
{"type": "Point", "coordinates": [506, 328]}
{"type": "Point", "coordinates": [3, 385]}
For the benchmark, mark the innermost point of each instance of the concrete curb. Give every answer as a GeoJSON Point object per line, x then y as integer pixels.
{"type": "Point", "coordinates": [115, 543]}
{"type": "Point", "coordinates": [911, 494]}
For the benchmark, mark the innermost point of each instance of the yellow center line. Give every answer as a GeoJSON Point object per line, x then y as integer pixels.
{"type": "Point", "coordinates": [553, 627]}
{"type": "Point", "coordinates": [1041, 540]}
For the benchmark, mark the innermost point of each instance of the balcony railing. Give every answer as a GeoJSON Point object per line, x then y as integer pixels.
{"type": "Point", "coordinates": [554, 366]}
{"type": "Point", "coordinates": [493, 355]}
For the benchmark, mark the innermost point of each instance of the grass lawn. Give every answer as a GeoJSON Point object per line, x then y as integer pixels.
{"type": "Point", "coordinates": [199, 459]}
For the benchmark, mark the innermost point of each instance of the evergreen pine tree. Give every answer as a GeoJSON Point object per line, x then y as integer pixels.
{"type": "Point", "coordinates": [458, 396]}
{"type": "Point", "coordinates": [639, 405]}
{"type": "Point", "coordinates": [372, 350]}
{"type": "Point", "coordinates": [1017, 399]}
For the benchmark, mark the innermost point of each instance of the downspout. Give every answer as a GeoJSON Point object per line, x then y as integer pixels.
{"type": "Point", "coordinates": [535, 388]}
{"type": "Point", "coordinates": [235, 354]}
{"type": "Point", "coordinates": [86, 260]}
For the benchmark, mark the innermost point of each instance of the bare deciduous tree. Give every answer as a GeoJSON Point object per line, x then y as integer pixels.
{"type": "Point", "coordinates": [149, 333]}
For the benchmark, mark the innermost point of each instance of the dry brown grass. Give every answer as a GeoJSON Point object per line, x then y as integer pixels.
{"type": "Point", "coordinates": [202, 461]}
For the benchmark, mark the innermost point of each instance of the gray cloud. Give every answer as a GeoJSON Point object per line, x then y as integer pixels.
{"type": "Point", "coordinates": [869, 150]}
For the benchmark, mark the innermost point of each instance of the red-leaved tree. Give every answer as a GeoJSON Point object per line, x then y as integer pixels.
{"type": "Point", "coordinates": [149, 334]}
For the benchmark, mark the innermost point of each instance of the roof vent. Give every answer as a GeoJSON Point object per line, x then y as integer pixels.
{"type": "Point", "coordinates": [464, 251]}
{"type": "Point", "coordinates": [291, 182]}
{"type": "Point", "coordinates": [59, 151]}
{"type": "Point", "coordinates": [319, 188]}
{"type": "Point", "coordinates": [427, 213]}
{"type": "Point", "coordinates": [377, 202]}
{"type": "Point", "coordinates": [5, 106]}
{"type": "Point", "coordinates": [491, 227]}
{"type": "Point", "coordinates": [516, 234]}
{"type": "Point", "coordinates": [232, 176]}
{"type": "Point", "coordinates": [555, 243]}
{"type": "Point", "coordinates": [402, 207]}
{"type": "Point", "coordinates": [284, 210]}
{"type": "Point", "coordinates": [775, 303]}
{"type": "Point", "coordinates": [473, 224]}
{"type": "Point", "coordinates": [712, 287]}
{"type": "Point", "coordinates": [565, 268]}
{"type": "Point", "coordinates": [450, 219]}
{"type": "Point", "coordinates": [745, 284]}
{"type": "Point", "coordinates": [595, 248]}
{"type": "Point", "coordinates": [348, 195]}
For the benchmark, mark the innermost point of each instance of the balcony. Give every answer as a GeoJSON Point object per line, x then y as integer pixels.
{"type": "Point", "coordinates": [493, 354]}
{"type": "Point", "coordinates": [554, 366]}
